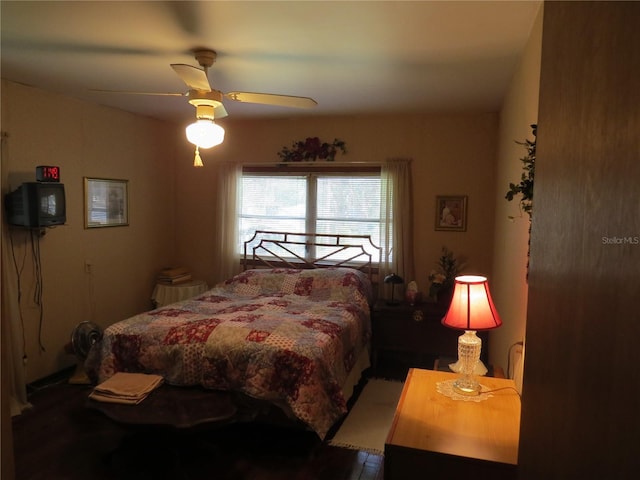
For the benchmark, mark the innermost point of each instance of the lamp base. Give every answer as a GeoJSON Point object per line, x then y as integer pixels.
{"type": "Point", "coordinates": [466, 386]}
{"type": "Point", "coordinates": [469, 346]}
{"type": "Point", "coordinates": [393, 301]}
{"type": "Point", "coordinates": [480, 368]}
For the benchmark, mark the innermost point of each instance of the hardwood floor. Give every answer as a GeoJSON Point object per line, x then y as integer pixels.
{"type": "Point", "coordinates": [59, 438]}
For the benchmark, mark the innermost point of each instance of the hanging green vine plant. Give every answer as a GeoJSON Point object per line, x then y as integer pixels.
{"type": "Point", "coordinates": [525, 187]}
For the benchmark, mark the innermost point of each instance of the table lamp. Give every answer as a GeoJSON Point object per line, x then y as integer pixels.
{"type": "Point", "coordinates": [394, 280]}
{"type": "Point", "coordinates": [471, 309]}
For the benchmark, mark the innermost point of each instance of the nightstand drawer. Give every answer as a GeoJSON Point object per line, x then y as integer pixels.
{"type": "Point", "coordinates": [414, 332]}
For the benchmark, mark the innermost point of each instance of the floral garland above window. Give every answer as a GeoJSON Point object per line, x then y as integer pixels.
{"type": "Point", "coordinates": [312, 149]}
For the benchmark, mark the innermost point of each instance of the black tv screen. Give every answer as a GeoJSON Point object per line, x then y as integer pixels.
{"type": "Point", "coordinates": [36, 204]}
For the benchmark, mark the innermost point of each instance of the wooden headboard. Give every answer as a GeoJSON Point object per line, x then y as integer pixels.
{"type": "Point", "coordinates": [269, 249]}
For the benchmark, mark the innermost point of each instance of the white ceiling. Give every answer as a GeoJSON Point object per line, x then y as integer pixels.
{"type": "Point", "coordinates": [351, 57]}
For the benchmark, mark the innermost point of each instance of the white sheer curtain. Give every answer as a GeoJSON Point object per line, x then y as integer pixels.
{"type": "Point", "coordinates": [396, 221]}
{"type": "Point", "coordinates": [228, 198]}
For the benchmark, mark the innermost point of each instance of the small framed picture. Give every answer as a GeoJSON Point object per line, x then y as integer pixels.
{"type": "Point", "coordinates": [451, 213]}
{"type": "Point", "coordinates": [106, 202]}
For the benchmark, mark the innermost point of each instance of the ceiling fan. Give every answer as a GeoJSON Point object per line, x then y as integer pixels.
{"type": "Point", "coordinates": [205, 133]}
{"type": "Point", "coordinates": [207, 100]}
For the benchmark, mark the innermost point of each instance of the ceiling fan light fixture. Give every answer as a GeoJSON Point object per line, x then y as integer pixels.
{"type": "Point", "coordinates": [205, 133]}
{"type": "Point", "coordinates": [205, 112]}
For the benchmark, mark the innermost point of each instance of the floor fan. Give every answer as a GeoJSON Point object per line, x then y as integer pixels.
{"type": "Point", "coordinates": [83, 337]}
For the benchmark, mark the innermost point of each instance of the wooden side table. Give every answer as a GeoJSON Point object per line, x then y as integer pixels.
{"type": "Point", "coordinates": [167, 429]}
{"type": "Point", "coordinates": [173, 407]}
{"type": "Point", "coordinates": [437, 437]}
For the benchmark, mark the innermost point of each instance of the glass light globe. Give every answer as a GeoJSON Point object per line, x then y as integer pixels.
{"type": "Point", "coordinates": [205, 133]}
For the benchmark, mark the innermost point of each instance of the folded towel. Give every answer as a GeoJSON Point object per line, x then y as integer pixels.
{"type": "Point", "coordinates": [102, 397]}
{"type": "Point", "coordinates": [128, 388]}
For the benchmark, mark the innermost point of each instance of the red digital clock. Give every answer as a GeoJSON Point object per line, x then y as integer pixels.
{"type": "Point", "coordinates": [46, 173]}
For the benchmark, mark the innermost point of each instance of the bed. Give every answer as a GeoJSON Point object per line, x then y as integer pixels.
{"type": "Point", "coordinates": [292, 334]}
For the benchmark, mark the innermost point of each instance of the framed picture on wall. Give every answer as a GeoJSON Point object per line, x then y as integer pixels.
{"type": "Point", "coordinates": [106, 202]}
{"type": "Point", "coordinates": [451, 213]}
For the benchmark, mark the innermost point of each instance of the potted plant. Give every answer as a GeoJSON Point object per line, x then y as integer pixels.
{"type": "Point", "coordinates": [443, 277]}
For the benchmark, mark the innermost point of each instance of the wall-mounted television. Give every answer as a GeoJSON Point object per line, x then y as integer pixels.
{"type": "Point", "coordinates": [36, 204]}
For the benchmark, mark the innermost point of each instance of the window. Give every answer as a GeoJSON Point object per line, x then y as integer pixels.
{"type": "Point", "coordinates": [312, 201]}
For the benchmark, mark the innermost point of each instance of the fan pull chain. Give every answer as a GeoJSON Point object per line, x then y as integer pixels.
{"type": "Point", "coordinates": [197, 162]}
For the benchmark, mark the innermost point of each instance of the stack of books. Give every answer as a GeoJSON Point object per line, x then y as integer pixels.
{"type": "Point", "coordinates": [126, 388]}
{"type": "Point", "coordinates": [174, 275]}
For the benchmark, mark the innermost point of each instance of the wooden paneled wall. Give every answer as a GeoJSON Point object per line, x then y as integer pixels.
{"type": "Point", "coordinates": [580, 415]}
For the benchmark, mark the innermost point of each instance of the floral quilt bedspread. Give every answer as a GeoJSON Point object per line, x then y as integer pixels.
{"type": "Point", "coordinates": [286, 336]}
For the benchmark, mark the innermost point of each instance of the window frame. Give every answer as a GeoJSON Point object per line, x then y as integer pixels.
{"type": "Point", "coordinates": [309, 171]}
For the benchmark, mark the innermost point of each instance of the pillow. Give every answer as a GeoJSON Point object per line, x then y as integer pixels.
{"type": "Point", "coordinates": [320, 284]}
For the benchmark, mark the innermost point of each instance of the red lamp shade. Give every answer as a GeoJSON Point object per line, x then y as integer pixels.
{"type": "Point", "coordinates": [471, 306]}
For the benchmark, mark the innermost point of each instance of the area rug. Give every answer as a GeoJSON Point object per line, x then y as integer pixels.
{"type": "Point", "coordinates": [368, 423]}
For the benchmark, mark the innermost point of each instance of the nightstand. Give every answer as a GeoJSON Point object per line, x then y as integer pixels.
{"type": "Point", "coordinates": [414, 333]}
{"type": "Point", "coordinates": [164, 294]}
{"type": "Point", "coordinates": [446, 438]}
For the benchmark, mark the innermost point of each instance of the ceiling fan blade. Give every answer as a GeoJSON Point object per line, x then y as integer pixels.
{"type": "Point", "coordinates": [194, 77]}
{"type": "Point", "coordinates": [272, 99]}
{"type": "Point", "coordinates": [126, 92]}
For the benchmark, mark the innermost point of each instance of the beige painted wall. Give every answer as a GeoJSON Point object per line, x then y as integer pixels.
{"type": "Point", "coordinates": [508, 285]}
{"type": "Point", "coordinates": [87, 140]}
{"type": "Point", "coordinates": [452, 154]}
